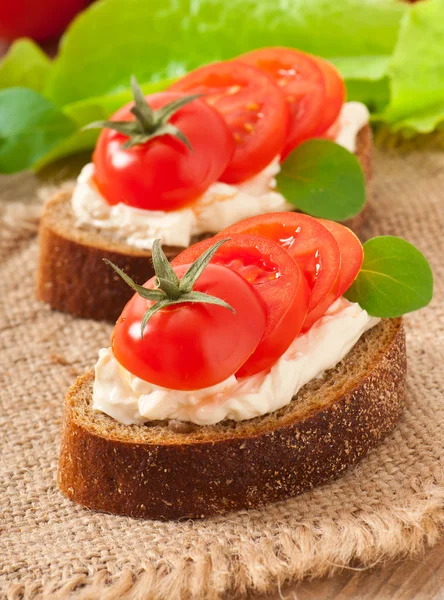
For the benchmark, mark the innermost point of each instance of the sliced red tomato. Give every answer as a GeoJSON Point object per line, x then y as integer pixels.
{"type": "Point", "coordinates": [307, 241]}
{"type": "Point", "coordinates": [253, 107]}
{"type": "Point", "coordinates": [334, 95]}
{"type": "Point", "coordinates": [192, 346]}
{"type": "Point", "coordinates": [276, 277]}
{"type": "Point", "coordinates": [352, 255]}
{"type": "Point", "coordinates": [302, 81]}
{"type": "Point", "coordinates": [163, 173]}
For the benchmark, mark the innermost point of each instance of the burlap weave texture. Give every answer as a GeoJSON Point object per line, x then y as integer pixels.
{"type": "Point", "coordinates": [392, 504]}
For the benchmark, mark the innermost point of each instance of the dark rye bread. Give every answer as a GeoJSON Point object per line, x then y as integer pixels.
{"type": "Point", "coordinates": [156, 471]}
{"type": "Point", "coordinates": [72, 276]}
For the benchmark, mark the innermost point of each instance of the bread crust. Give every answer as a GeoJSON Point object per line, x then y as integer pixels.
{"type": "Point", "coordinates": [72, 277]}
{"type": "Point", "coordinates": [171, 477]}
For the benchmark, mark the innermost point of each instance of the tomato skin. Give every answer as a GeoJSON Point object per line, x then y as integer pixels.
{"type": "Point", "coordinates": [302, 82]}
{"type": "Point", "coordinates": [352, 256]}
{"type": "Point", "coordinates": [254, 108]}
{"type": "Point", "coordinates": [29, 18]}
{"type": "Point", "coordinates": [163, 173]}
{"type": "Point", "coordinates": [306, 240]}
{"type": "Point", "coordinates": [278, 280]}
{"type": "Point", "coordinates": [335, 95]}
{"type": "Point", "coordinates": [192, 346]}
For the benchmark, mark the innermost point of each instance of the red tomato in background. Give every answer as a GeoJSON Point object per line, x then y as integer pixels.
{"type": "Point", "coordinates": [38, 20]}
{"type": "Point", "coordinates": [192, 346]}
{"type": "Point", "coordinates": [307, 241]}
{"type": "Point", "coordinates": [302, 82]}
{"type": "Point", "coordinates": [277, 279]}
{"type": "Point", "coordinates": [352, 255]}
{"type": "Point", "coordinates": [163, 173]}
{"type": "Point", "coordinates": [253, 107]}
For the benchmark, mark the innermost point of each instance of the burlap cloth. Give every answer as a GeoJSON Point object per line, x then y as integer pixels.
{"type": "Point", "coordinates": [391, 505]}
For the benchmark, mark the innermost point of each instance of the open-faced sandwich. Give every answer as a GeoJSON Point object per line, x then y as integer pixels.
{"type": "Point", "coordinates": [259, 364]}
{"type": "Point", "coordinates": [228, 141]}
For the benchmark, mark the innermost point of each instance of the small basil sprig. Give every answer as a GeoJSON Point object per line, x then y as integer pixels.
{"type": "Point", "coordinates": [323, 179]}
{"type": "Point", "coordinates": [168, 288]}
{"type": "Point", "coordinates": [395, 278]}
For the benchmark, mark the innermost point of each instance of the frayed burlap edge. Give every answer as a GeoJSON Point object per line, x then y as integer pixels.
{"type": "Point", "coordinates": [362, 540]}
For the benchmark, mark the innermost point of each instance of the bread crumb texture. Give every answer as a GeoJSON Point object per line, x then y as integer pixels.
{"type": "Point", "coordinates": [327, 427]}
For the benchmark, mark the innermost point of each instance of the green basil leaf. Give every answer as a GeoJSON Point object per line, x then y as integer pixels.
{"type": "Point", "coordinates": [395, 278]}
{"type": "Point", "coordinates": [323, 179]}
{"type": "Point", "coordinates": [30, 126]}
{"type": "Point", "coordinates": [25, 65]}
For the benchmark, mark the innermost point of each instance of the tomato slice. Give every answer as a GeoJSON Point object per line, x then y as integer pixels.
{"type": "Point", "coordinates": [279, 281]}
{"type": "Point", "coordinates": [311, 245]}
{"type": "Point", "coordinates": [302, 81]}
{"type": "Point", "coordinates": [334, 98]}
{"type": "Point", "coordinates": [352, 255]}
{"type": "Point", "coordinates": [254, 109]}
{"type": "Point", "coordinates": [192, 346]}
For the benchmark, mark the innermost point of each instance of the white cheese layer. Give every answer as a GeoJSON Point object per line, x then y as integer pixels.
{"type": "Point", "coordinates": [352, 119]}
{"type": "Point", "coordinates": [129, 399]}
{"type": "Point", "coordinates": [220, 206]}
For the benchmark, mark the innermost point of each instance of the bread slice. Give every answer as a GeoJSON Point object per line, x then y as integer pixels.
{"type": "Point", "coordinates": [169, 470]}
{"type": "Point", "coordinates": [71, 274]}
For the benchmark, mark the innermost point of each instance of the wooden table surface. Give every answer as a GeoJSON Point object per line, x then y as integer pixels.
{"type": "Point", "coordinates": [420, 578]}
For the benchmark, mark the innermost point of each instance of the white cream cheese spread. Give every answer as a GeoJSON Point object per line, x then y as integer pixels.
{"type": "Point", "coordinates": [352, 119]}
{"type": "Point", "coordinates": [129, 399]}
{"type": "Point", "coordinates": [220, 206]}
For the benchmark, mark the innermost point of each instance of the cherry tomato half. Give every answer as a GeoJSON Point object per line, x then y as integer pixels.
{"type": "Point", "coordinates": [192, 346]}
{"type": "Point", "coordinates": [352, 255]}
{"type": "Point", "coordinates": [163, 173]}
{"type": "Point", "coordinates": [307, 241]}
{"type": "Point", "coordinates": [302, 81]}
{"type": "Point", "coordinates": [253, 107]}
{"type": "Point", "coordinates": [278, 280]}
{"type": "Point", "coordinates": [334, 95]}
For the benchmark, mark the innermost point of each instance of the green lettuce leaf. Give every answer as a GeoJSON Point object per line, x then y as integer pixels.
{"type": "Point", "coordinates": [375, 94]}
{"type": "Point", "coordinates": [417, 70]}
{"type": "Point", "coordinates": [25, 65]}
{"type": "Point", "coordinates": [165, 38]}
{"type": "Point", "coordinates": [390, 53]}
{"type": "Point", "coordinates": [30, 126]}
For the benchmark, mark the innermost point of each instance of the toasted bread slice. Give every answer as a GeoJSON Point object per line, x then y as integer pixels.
{"type": "Point", "coordinates": [168, 470]}
{"type": "Point", "coordinates": [71, 274]}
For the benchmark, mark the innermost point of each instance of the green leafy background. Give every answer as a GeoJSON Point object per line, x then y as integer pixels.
{"type": "Point", "coordinates": [391, 54]}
